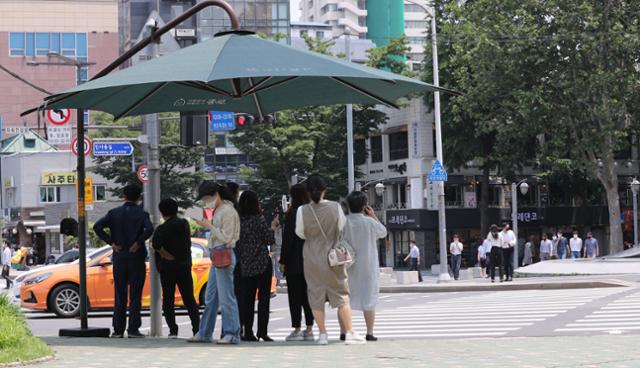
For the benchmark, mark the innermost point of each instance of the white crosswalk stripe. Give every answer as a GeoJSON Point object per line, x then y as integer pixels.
{"type": "Point", "coordinates": [622, 314]}
{"type": "Point", "coordinates": [478, 315]}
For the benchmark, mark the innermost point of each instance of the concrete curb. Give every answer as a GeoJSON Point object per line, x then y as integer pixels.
{"type": "Point", "coordinates": [28, 362]}
{"type": "Point", "coordinates": [514, 285]}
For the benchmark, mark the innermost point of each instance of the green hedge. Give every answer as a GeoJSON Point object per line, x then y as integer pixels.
{"type": "Point", "coordinates": [17, 344]}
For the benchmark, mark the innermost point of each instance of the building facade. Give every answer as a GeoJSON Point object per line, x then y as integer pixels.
{"type": "Point", "coordinates": [34, 31]}
{"type": "Point", "coordinates": [401, 157]}
{"type": "Point", "coordinates": [339, 14]}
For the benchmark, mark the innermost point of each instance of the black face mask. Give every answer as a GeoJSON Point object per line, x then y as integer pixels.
{"type": "Point", "coordinates": [494, 234]}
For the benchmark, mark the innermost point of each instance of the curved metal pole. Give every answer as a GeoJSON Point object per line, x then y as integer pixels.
{"type": "Point", "coordinates": [235, 24]}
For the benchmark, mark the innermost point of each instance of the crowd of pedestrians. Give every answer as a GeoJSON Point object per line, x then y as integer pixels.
{"type": "Point", "coordinates": [241, 264]}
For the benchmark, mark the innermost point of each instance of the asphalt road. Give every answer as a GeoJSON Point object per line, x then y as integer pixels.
{"type": "Point", "coordinates": [603, 311]}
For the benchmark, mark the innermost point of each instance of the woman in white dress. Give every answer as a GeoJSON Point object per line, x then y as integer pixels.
{"type": "Point", "coordinates": [362, 230]}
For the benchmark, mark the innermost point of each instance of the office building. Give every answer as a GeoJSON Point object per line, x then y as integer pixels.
{"type": "Point", "coordinates": [34, 31]}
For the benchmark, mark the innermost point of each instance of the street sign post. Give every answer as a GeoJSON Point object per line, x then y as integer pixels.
{"type": "Point", "coordinates": [221, 121]}
{"type": "Point", "coordinates": [143, 174]}
{"type": "Point", "coordinates": [87, 146]}
{"type": "Point", "coordinates": [112, 149]}
{"type": "Point", "coordinates": [59, 116]}
{"type": "Point", "coordinates": [437, 173]}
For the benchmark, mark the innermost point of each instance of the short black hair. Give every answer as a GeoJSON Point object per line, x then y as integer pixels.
{"type": "Point", "coordinates": [168, 207]}
{"type": "Point", "coordinates": [132, 192]}
{"type": "Point", "coordinates": [249, 204]}
{"type": "Point", "coordinates": [357, 201]}
{"type": "Point", "coordinates": [234, 188]}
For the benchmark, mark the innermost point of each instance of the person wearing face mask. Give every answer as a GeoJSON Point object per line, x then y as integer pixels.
{"type": "Point", "coordinates": [224, 233]}
{"type": "Point", "coordinates": [561, 244]}
{"type": "Point", "coordinates": [591, 247]}
{"type": "Point", "coordinates": [494, 249]}
{"type": "Point", "coordinates": [575, 244]}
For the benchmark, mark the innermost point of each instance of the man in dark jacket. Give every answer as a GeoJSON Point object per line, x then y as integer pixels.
{"type": "Point", "coordinates": [129, 227]}
{"type": "Point", "coordinates": [172, 241]}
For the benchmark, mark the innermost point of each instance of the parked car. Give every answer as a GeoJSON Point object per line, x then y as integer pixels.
{"type": "Point", "coordinates": [56, 288]}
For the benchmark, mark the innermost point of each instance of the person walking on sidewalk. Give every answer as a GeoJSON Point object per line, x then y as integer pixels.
{"type": "Point", "coordinates": [561, 244]}
{"type": "Point", "coordinates": [414, 256]}
{"type": "Point", "coordinates": [252, 249]}
{"type": "Point", "coordinates": [129, 228]}
{"type": "Point", "coordinates": [575, 244]}
{"type": "Point", "coordinates": [172, 243]}
{"type": "Point", "coordinates": [6, 264]}
{"type": "Point", "coordinates": [546, 248]}
{"type": "Point", "coordinates": [291, 265]}
{"type": "Point", "coordinates": [455, 248]}
{"type": "Point", "coordinates": [362, 231]}
{"type": "Point", "coordinates": [495, 239]}
{"type": "Point", "coordinates": [320, 224]}
{"type": "Point", "coordinates": [591, 249]}
{"type": "Point", "coordinates": [224, 233]}
{"type": "Point", "coordinates": [508, 241]}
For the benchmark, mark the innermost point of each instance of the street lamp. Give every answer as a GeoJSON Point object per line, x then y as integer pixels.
{"type": "Point", "coordinates": [524, 189]}
{"type": "Point", "coordinates": [635, 188]}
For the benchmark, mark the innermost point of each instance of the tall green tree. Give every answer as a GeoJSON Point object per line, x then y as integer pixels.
{"type": "Point", "coordinates": [179, 174]}
{"type": "Point", "coordinates": [479, 128]}
{"type": "Point", "coordinates": [559, 77]}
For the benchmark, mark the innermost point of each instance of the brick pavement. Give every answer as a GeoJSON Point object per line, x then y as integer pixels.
{"type": "Point", "coordinates": [527, 352]}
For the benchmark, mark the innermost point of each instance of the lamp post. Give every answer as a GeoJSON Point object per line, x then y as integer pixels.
{"type": "Point", "coordinates": [442, 220]}
{"type": "Point", "coordinates": [524, 188]}
{"type": "Point", "coordinates": [635, 188]}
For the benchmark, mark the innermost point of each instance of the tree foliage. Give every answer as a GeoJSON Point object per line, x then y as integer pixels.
{"type": "Point", "coordinates": [178, 164]}
{"type": "Point", "coordinates": [553, 80]}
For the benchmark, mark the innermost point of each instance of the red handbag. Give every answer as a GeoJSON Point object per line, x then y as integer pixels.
{"type": "Point", "coordinates": [221, 257]}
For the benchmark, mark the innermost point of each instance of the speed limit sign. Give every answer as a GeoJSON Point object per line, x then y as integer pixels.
{"type": "Point", "coordinates": [143, 174]}
{"type": "Point", "coordinates": [88, 145]}
{"type": "Point", "coordinates": [59, 116]}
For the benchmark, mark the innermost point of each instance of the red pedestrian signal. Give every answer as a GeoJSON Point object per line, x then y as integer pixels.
{"type": "Point", "coordinates": [244, 119]}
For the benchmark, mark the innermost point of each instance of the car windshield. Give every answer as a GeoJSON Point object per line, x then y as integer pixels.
{"type": "Point", "coordinates": [95, 254]}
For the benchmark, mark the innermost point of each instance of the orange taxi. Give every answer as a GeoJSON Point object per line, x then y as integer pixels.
{"type": "Point", "coordinates": [56, 288]}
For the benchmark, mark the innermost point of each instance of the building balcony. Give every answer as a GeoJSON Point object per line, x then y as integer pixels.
{"type": "Point", "coordinates": [352, 8]}
{"type": "Point", "coordinates": [352, 25]}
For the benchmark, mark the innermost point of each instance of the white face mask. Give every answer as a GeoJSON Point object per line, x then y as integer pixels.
{"type": "Point", "coordinates": [575, 236]}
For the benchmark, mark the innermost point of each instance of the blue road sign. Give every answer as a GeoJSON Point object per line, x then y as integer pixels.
{"type": "Point", "coordinates": [437, 173]}
{"type": "Point", "coordinates": [112, 149]}
{"type": "Point", "coordinates": [221, 121]}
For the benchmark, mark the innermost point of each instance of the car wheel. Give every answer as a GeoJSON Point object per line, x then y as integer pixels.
{"type": "Point", "coordinates": [203, 292]}
{"type": "Point", "coordinates": [64, 300]}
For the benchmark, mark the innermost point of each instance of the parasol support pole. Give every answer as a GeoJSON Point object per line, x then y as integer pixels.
{"type": "Point", "coordinates": [84, 330]}
{"type": "Point", "coordinates": [235, 24]}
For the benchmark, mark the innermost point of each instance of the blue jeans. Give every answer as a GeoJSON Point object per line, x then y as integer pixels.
{"type": "Point", "coordinates": [456, 261]}
{"type": "Point", "coordinates": [575, 254]}
{"type": "Point", "coordinates": [220, 292]}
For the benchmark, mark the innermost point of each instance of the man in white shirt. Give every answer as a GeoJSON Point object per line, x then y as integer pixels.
{"type": "Point", "coordinates": [455, 248]}
{"type": "Point", "coordinates": [507, 243]}
{"type": "Point", "coordinates": [575, 243]}
{"type": "Point", "coordinates": [414, 255]}
{"type": "Point", "coordinates": [6, 264]}
{"type": "Point", "coordinates": [546, 247]}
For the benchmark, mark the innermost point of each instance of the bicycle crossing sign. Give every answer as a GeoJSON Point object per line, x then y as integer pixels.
{"type": "Point", "coordinates": [437, 173]}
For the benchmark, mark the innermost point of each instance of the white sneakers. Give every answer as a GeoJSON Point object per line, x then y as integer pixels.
{"type": "Point", "coordinates": [323, 339]}
{"type": "Point", "coordinates": [352, 338]}
{"type": "Point", "coordinates": [295, 336]}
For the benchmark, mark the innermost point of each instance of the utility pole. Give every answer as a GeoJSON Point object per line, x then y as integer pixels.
{"type": "Point", "coordinates": [152, 196]}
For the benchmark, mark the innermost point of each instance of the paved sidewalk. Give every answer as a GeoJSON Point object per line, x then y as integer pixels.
{"type": "Point", "coordinates": [570, 351]}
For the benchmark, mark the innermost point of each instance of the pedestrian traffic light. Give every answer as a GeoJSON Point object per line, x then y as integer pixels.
{"type": "Point", "coordinates": [194, 129]}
